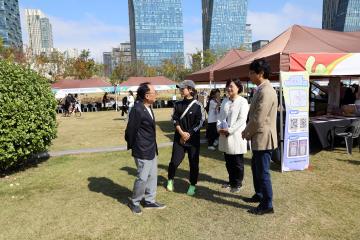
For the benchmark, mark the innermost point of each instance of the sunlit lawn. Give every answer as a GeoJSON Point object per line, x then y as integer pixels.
{"type": "Point", "coordinates": [103, 129]}
{"type": "Point", "coordinates": [84, 196]}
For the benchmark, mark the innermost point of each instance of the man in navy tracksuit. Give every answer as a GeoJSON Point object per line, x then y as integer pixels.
{"type": "Point", "coordinates": [188, 118]}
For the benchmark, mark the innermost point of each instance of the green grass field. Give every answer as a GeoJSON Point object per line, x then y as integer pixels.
{"type": "Point", "coordinates": [84, 196]}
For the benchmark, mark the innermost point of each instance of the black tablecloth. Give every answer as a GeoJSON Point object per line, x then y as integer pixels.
{"type": "Point", "coordinates": [324, 125]}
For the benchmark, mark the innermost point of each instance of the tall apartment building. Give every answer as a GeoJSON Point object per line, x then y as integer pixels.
{"type": "Point", "coordinates": [121, 54]}
{"type": "Point", "coordinates": [341, 15]}
{"type": "Point", "coordinates": [259, 44]}
{"type": "Point", "coordinates": [156, 31]}
{"type": "Point", "coordinates": [40, 31]}
{"type": "Point", "coordinates": [224, 24]}
{"type": "Point", "coordinates": [10, 27]}
{"type": "Point", "coordinates": [247, 45]}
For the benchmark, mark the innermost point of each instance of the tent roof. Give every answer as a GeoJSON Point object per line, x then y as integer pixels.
{"type": "Point", "coordinates": [136, 81]}
{"type": "Point", "coordinates": [204, 75]}
{"type": "Point", "coordinates": [85, 83]}
{"type": "Point", "coordinates": [296, 39]}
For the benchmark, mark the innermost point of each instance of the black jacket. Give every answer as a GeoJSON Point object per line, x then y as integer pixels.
{"type": "Point", "coordinates": [192, 121]}
{"type": "Point", "coordinates": [140, 133]}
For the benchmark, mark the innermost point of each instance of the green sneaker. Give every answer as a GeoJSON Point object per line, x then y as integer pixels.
{"type": "Point", "coordinates": [170, 185]}
{"type": "Point", "coordinates": [191, 190]}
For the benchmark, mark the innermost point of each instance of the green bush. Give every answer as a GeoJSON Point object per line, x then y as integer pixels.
{"type": "Point", "coordinates": [27, 115]}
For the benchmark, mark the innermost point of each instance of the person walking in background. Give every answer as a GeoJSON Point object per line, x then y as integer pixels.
{"type": "Point", "coordinates": [140, 135]}
{"type": "Point", "coordinates": [213, 109]}
{"type": "Point", "coordinates": [188, 118]}
{"type": "Point", "coordinates": [261, 130]}
{"type": "Point", "coordinates": [124, 108]}
{"type": "Point", "coordinates": [231, 123]}
{"type": "Point", "coordinates": [105, 100]}
{"type": "Point", "coordinates": [130, 101]}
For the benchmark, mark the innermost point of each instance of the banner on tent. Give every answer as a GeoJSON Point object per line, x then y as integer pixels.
{"type": "Point", "coordinates": [326, 64]}
{"type": "Point", "coordinates": [295, 87]}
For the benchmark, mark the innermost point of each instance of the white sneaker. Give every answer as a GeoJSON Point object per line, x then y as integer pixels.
{"type": "Point", "coordinates": [211, 148]}
{"type": "Point", "coordinates": [216, 142]}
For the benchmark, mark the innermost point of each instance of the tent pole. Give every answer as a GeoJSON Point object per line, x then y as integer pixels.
{"type": "Point", "coordinates": [281, 124]}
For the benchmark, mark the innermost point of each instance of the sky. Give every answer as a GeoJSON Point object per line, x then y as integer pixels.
{"type": "Point", "coordinates": [99, 25]}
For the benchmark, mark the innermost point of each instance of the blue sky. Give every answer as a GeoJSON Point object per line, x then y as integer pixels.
{"type": "Point", "coordinates": [99, 25]}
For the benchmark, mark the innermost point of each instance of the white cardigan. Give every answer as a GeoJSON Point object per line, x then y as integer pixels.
{"type": "Point", "coordinates": [235, 114]}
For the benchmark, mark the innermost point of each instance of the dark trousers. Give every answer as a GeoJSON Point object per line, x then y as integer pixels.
{"type": "Point", "coordinates": [235, 167]}
{"type": "Point", "coordinates": [260, 167]}
{"type": "Point", "coordinates": [178, 154]}
{"type": "Point", "coordinates": [123, 110]}
{"type": "Point", "coordinates": [211, 133]}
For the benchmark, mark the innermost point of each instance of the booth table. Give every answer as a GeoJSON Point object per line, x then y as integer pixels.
{"type": "Point", "coordinates": [323, 126]}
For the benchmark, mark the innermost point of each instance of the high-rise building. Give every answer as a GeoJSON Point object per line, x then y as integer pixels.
{"type": "Point", "coordinates": [247, 45]}
{"type": "Point", "coordinates": [40, 31]}
{"type": "Point", "coordinates": [224, 24]}
{"type": "Point", "coordinates": [341, 15]}
{"type": "Point", "coordinates": [10, 28]}
{"type": "Point", "coordinates": [156, 31]}
{"type": "Point", "coordinates": [259, 44]}
{"type": "Point", "coordinates": [107, 63]}
{"type": "Point", "coordinates": [121, 54]}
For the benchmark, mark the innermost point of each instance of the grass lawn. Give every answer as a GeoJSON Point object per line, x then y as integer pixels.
{"type": "Point", "coordinates": [84, 196]}
{"type": "Point", "coordinates": [103, 129]}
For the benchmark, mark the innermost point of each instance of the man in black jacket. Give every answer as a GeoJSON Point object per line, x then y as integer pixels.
{"type": "Point", "coordinates": [188, 118]}
{"type": "Point", "coordinates": [140, 136]}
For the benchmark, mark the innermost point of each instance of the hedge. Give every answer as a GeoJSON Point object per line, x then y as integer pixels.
{"type": "Point", "coordinates": [27, 115]}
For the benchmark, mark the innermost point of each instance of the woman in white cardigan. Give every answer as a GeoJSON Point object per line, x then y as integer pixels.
{"type": "Point", "coordinates": [231, 123]}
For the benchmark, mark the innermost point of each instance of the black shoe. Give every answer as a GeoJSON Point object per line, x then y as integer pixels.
{"type": "Point", "coordinates": [253, 199]}
{"type": "Point", "coordinates": [154, 205]}
{"type": "Point", "coordinates": [226, 185]}
{"type": "Point", "coordinates": [235, 189]}
{"type": "Point", "coordinates": [135, 209]}
{"type": "Point", "coordinates": [261, 211]}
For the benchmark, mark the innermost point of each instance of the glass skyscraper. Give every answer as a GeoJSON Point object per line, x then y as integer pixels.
{"type": "Point", "coordinates": [10, 28]}
{"type": "Point", "coordinates": [341, 15]}
{"type": "Point", "coordinates": [156, 31]}
{"type": "Point", "coordinates": [40, 31]}
{"type": "Point", "coordinates": [224, 24]}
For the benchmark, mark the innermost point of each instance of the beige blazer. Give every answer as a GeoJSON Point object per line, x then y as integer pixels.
{"type": "Point", "coordinates": [261, 128]}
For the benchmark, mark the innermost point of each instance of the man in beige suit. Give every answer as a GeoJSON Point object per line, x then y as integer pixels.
{"type": "Point", "coordinates": [261, 131]}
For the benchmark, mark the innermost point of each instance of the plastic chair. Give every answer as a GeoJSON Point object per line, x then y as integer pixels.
{"type": "Point", "coordinates": [349, 133]}
{"type": "Point", "coordinates": [60, 109]}
{"type": "Point", "coordinates": [84, 108]}
{"type": "Point", "coordinates": [93, 107]}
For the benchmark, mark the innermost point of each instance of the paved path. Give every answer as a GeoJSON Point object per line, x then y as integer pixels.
{"type": "Point", "coordinates": [98, 150]}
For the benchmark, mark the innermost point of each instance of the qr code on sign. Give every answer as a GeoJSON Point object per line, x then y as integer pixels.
{"type": "Point", "coordinates": [294, 124]}
{"type": "Point", "coordinates": [303, 123]}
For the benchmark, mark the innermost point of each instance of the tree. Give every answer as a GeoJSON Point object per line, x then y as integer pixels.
{"type": "Point", "coordinates": [208, 58]}
{"type": "Point", "coordinates": [196, 61]}
{"type": "Point", "coordinates": [82, 67]}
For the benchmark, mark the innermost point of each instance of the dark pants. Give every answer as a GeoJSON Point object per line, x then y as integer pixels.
{"type": "Point", "coordinates": [123, 110]}
{"type": "Point", "coordinates": [211, 133]}
{"type": "Point", "coordinates": [178, 154]}
{"type": "Point", "coordinates": [235, 168]}
{"type": "Point", "coordinates": [260, 167]}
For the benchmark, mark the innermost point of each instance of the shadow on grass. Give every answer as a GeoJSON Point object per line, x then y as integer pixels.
{"type": "Point", "coordinates": [179, 173]}
{"type": "Point", "coordinates": [181, 185]}
{"type": "Point", "coordinates": [32, 162]}
{"type": "Point", "coordinates": [354, 162]}
{"type": "Point", "coordinates": [118, 119]}
{"type": "Point", "coordinates": [109, 188]}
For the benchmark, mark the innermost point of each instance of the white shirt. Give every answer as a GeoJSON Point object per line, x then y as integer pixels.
{"type": "Point", "coordinates": [213, 111]}
{"type": "Point", "coordinates": [130, 100]}
{"type": "Point", "coordinates": [149, 110]}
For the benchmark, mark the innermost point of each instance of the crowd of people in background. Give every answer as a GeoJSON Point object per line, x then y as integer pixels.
{"type": "Point", "coordinates": [227, 127]}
